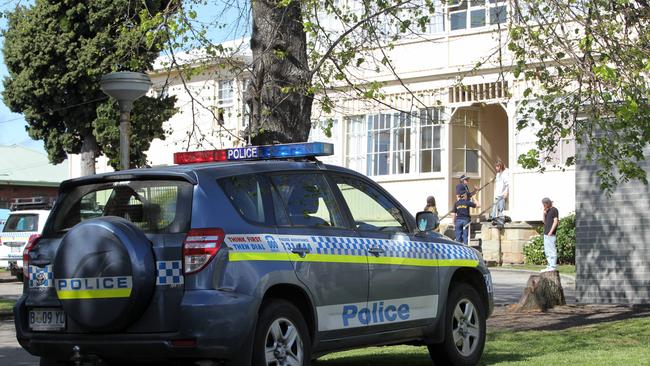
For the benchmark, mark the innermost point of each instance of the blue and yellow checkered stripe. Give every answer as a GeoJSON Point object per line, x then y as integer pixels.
{"type": "Point", "coordinates": [169, 273]}
{"type": "Point", "coordinates": [40, 276]}
{"type": "Point", "coordinates": [354, 250]}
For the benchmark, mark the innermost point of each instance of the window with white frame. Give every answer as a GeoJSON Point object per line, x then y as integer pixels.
{"type": "Point", "coordinates": [430, 140]}
{"type": "Point", "coordinates": [224, 109]}
{"type": "Point", "coordinates": [225, 93]}
{"type": "Point", "coordinates": [468, 14]}
{"type": "Point", "coordinates": [389, 144]}
{"type": "Point", "coordinates": [465, 143]}
{"type": "Point", "coordinates": [245, 108]}
{"type": "Point", "coordinates": [401, 144]}
{"type": "Point", "coordinates": [437, 19]}
{"type": "Point", "coordinates": [394, 143]}
{"type": "Point", "coordinates": [497, 11]}
{"type": "Point", "coordinates": [355, 143]}
{"type": "Point", "coordinates": [378, 152]}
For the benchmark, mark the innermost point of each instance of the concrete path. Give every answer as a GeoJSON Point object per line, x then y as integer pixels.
{"type": "Point", "coordinates": [11, 290]}
{"type": "Point", "coordinates": [11, 354]}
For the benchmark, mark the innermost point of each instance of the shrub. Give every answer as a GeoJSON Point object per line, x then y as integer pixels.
{"type": "Point", "coordinates": [534, 250]}
{"type": "Point", "coordinates": [566, 240]}
{"type": "Point", "coordinates": [566, 243]}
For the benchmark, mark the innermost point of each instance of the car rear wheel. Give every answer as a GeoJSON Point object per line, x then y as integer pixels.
{"type": "Point", "coordinates": [464, 329]}
{"type": "Point", "coordinates": [281, 336]}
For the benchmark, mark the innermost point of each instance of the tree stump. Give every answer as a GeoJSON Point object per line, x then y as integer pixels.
{"type": "Point", "coordinates": [543, 291]}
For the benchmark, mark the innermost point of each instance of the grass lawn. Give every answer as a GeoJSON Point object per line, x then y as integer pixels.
{"type": "Point", "coordinates": [563, 268]}
{"type": "Point", "coordinates": [6, 305]}
{"type": "Point", "coordinates": [613, 343]}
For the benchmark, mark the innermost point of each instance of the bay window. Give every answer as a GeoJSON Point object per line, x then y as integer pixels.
{"type": "Point", "coordinates": [394, 143]}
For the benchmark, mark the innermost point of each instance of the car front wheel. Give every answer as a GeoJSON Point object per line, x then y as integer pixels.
{"type": "Point", "coordinates": [464, 329]}
{"type": "Point", "coordinates": [281, 336]}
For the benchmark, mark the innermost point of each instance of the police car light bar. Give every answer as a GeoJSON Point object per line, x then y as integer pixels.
{"type": "Point", "coordinates": [283, 151]}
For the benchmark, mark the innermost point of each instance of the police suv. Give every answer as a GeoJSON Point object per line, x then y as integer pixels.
{"type": "Point", "coordinates": [258, 255]}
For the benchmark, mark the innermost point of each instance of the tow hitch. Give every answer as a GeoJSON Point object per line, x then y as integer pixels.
{"type": "Point", "coordinates": [85, 360]}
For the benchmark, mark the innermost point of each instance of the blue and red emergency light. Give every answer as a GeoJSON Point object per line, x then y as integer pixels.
{"type": "Point", "coordinates": [283, 151]}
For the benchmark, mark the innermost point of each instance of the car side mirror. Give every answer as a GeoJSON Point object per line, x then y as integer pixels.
{"type": "Point", "coordinates": [426, 221]}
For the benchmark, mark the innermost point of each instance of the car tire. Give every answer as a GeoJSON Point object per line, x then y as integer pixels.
{"type": "Point", "coordinates": [464, 326]}
{"type": "Point", "coordinates": [281, 336]}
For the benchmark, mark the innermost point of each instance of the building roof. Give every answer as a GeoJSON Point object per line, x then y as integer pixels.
{"type": "Point", "coordinates": [26, 167]}
{"type": "Point", "coordinates": [235, 50]}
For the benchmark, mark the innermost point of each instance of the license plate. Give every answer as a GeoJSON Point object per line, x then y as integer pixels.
{"type": "Point", "coordinates": [47, 319]}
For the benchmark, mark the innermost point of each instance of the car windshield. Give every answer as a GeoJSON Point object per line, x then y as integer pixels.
{"type": "Point", "coordinates": [154, 206]}
{"type": "Point", "coordinates": [19, 223]}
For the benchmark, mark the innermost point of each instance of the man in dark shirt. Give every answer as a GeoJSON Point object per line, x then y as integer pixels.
{"type": "Point", "coordinates": [463, 187]}
{"type": "Point", "coordinates": [462, 218]}
{"type": "Point", "coordinates": [551, 220]}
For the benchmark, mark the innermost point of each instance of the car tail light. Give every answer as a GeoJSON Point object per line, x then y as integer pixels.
{"type": "Point", "coordinates": [31, 244]}
{"type": "Point", "coordinates": [183, 343]}
{"type": "Point", "coordinates": [200, 246]}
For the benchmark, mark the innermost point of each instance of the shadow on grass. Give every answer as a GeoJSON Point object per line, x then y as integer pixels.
{"type": "Point", "coordinates": [603, 341]}
{"type": "Point", "coordinates": [561, 318]}
{"type": "Point", "coordinates": [400, 355]}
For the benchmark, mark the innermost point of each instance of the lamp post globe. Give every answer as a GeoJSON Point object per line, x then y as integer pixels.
{"type": "Point", "coordinates": [126, 87]}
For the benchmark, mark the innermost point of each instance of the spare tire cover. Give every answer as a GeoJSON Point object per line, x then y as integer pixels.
{"type": "Point", "coordinates": [104, 273]}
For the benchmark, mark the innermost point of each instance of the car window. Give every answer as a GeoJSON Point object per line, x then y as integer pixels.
{"type": "Point", "coordinates": [245, 193]}
{"type": "Point", "coordinates": [307, 199]}
{"type": "Point", "coordinates": [153, 206]}
{"type": "Point", "coordinates": [370, 209]}
{"type": "Point", "coordinates": [21, 223]}
{"type": "Point", "coordinates": [279, 209]}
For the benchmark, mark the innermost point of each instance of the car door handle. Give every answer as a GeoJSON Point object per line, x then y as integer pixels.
{"type": "Point", "coordinates": [301, 251]}
{"type": "Point", "coordinates": [376, 251]}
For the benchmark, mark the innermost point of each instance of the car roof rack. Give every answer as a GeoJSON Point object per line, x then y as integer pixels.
{"type": "Point", "coordinates": [31, 203]}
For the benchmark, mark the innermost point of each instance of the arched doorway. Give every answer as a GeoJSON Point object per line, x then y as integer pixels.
{"type": "Point", "coordinates": [479, 137]}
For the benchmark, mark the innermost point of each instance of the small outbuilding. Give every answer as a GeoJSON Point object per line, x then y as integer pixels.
{"type": "Point", "coordinates": [28, 173]}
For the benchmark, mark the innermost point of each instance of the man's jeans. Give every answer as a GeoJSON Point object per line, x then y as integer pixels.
{"type": "Point", "coordinates": [498, 207]}
{"type": "Point", "coordinates": [550, 250]}
{"type": "Point", "coordinates": [462, 232]}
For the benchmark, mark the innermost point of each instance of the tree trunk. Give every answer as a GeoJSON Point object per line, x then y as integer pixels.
{"type": "Point", "coordinates": [279, 93]}
{"type": "Point", "coordinates": [89, 151]}
{"type": "Point", "coordinates": [543, 291]}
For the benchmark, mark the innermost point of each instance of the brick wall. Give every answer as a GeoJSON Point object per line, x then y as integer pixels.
{"type": "Point", "coordinates": [9, 192]}
{"type": "Point", "coordinates": [612, 239]}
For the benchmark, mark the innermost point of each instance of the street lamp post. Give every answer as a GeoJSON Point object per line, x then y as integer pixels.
{"type": "Point", "coordinates": [126, 87]}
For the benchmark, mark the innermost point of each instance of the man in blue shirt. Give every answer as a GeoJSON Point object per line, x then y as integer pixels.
{"type": "Point", "coordinates": [462, 218]}
{"type": "Point", "coordinates": [463, 187]}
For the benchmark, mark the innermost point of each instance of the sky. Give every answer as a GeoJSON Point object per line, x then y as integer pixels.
{"type": "Point", "coordinates": [12, 125]}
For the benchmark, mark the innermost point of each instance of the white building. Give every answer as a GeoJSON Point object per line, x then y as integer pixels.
{"type": "Point", "coordinates": [450, 129]}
